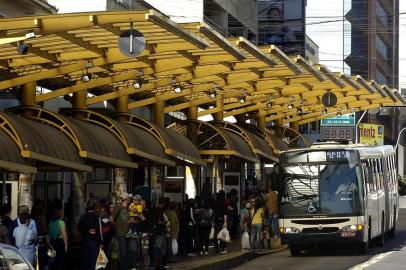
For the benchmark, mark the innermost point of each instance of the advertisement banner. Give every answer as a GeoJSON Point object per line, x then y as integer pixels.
{"type": "Point", "coordinates": [371, 134]}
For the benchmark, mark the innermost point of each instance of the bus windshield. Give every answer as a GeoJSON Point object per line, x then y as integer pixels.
{"type": "Point", "coordinates": [320, 189]}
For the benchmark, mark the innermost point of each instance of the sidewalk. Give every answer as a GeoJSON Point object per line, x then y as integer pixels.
{"type": "Point", "coordinates": [232, 259]}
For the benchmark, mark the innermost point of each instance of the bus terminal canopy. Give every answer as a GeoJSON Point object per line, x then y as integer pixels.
{"type": "Point", "coordinates": [183, 65]}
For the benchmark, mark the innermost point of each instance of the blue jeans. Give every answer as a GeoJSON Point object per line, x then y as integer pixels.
{"type": "Point", "coordinates": [275, 225]}
{"type": "Point", "coordinates": [256, 232]}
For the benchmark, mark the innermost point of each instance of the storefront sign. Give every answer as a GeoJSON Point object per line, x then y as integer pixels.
{"type": "Point", "coordinates": [371, 134]}
{"type": "Point", "coordinates": [347, 120]}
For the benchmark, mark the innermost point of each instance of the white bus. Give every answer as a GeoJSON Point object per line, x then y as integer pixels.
{"type": "Point", "coordinates": [337, 194]}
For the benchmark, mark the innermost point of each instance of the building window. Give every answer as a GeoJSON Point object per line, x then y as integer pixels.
{"type": "Point", "coordinates": [274, 14]}
{"type": "Point", "coordinates": [381, 47]}
{"type": "Point", "coordinates": [380, 78]}
{"type": "Point", "coordinates": [381, 14]}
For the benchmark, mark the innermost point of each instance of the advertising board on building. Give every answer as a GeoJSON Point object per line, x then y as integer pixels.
{"type": "Point", "coordinates": [371, 134]}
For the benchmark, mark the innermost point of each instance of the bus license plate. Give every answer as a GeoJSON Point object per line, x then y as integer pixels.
{"type": "Point", "coordinates": [347, 234]}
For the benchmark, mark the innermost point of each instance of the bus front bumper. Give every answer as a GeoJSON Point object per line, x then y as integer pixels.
{"type": "Point", "coordinates": [320, 238]}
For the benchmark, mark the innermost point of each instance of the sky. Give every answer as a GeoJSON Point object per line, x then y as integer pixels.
{"type": "Point", "coordinates": [327, 35]}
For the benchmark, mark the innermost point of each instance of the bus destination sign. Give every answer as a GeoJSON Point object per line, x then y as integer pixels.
{"type": "Point", "coordinates": [338, 155]}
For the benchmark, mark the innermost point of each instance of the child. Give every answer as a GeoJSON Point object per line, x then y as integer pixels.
{"type": "Point", "coordinates": [135, 210]}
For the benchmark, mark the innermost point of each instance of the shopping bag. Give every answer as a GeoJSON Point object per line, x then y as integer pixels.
{"type": "Point", "coordinates": [174, 247]}
{"type": "Point", "coordinates": [102, 260]}
{"type": "Point", "coordinates": [245, 241]}
{"type": "Point", "coordinates": [224, 235]}
{"type": "Point", "coordinates": [211, 235]}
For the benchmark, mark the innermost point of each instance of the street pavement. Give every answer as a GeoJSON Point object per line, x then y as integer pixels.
{"type": "Point", "coordinates": [390, 257]}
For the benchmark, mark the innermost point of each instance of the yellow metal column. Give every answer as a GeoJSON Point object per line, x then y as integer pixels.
{"type": "Point", "coordinates": [294, 126]}
{"type": "Point", "coordinates": [191, 172]}
{"type": "Point", "coordinates": [158, 115]}
{"type": "Point", "coordinates": [219, 116]}
{"type": "Point", "coordinates": [26, 181]}
{"type": "Point", "coordinates": [122, 105]}
{"type": "Point", "coordinates": [261, 123]}
{"type": "Point", "coordinates": [79, 103]}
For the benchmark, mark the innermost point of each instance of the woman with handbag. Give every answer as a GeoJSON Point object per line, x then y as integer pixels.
{"type": "Point", "coordinates": [257, 223]}
{"type": "Point", "coordinates": [58, 240]}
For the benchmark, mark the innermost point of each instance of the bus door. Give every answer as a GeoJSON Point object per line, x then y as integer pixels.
{"type": "Point", "coordinates": [386, 187]}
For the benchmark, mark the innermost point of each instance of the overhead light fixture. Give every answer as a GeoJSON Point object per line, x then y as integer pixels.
{"type": "Point", "coordinates": [269, 105]}
{"type": "Point", "coordinates": [139, 81]}
{"type": "Point", "coordinates": [339, 114]}
{"type": "Point", "coordinates": [213, 94]}
{"type": "Point", "coordinates": [299, 111]}
{"type": "Point", "coordinates": [324, 111]}
{"type": "Point", "coordinates": [30, 35]}
{"type": "Point", "coordinates": [87, 77]}
{"type": "Point", "coordinates": [176, 85]}
{"type": "Point", "coordinates": [290, 106]}
{"type": "Point", "coordinates": [22, 48]}
{"type": "Point", "coordinates": [242, 99]}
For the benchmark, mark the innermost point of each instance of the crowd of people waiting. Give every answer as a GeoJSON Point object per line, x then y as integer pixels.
{"type": "Point", "coordinates": [134, 233]}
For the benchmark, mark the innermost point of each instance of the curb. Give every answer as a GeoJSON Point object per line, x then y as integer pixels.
{"type": "Point", "coordinates": [233, 260]}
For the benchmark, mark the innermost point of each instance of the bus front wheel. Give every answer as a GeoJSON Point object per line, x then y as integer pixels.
{"type": "Point", "coordinates": [294, 251]}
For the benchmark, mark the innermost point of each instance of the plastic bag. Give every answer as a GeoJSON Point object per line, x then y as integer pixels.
{"type": "Point", "coordinates": [224, 235]}
{"type": "Point", "coordinates": [174, 247]}
{"type": "Point", "coordinates": [245, 241]}
{"type": "Point", "coordinates": [211, 235]}
{"type": "Point", "coordinates": [102, 260]}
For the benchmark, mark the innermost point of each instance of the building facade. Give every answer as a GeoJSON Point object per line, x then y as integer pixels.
{"type": "Point", "coordinates": [374, 39]}
{"type": "Point", "coordinates": [283, 23]}
{"type": "Point", "coordinates": [25, 8]}
{"type": "Point", "coordinates": [230, 18]}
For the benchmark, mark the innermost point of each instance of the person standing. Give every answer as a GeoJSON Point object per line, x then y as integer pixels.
{"type": "Point", "coordinates": [205, 221]}
{"type": "Point", "coordinates": [173, 227]}
{"type": "Point", "coordinates": [257, 222]}
{"type": "Point", "coordinates": [121, 218]}
{"type": "Point", "coordinates": [207, 188]}
{"type": "Point", "coordinates": [89, 228]}
{"type": "Point", "coordinates": [25, 238]}
{"type": "Point", "coordinates": [58, 239]}
{"type": "Point", "coordinates": [271, 203]}
{"type": "Point", "coordinates": [159, 222]}
{"type": "Point", "coordinates": [191, 229]}
{"type": "Point", "coordinates": [220, 217]}
{"type": "Point", "coordinates": [6, 215]}
{"type": "Point", "coordinates": [38, 215]}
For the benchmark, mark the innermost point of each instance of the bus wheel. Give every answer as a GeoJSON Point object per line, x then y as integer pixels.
{"type": "Point", "coordinates": [294, 251]}
{"type": "Point", "coordinates": [381, 237]}
{"type": "Point", "coordinates": [392, 232]}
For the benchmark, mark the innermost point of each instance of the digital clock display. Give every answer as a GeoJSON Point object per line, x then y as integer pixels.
{"type": "Point", "coordinates": [337, 133]}
{"type": "Point", "coordinates": [338, 155]}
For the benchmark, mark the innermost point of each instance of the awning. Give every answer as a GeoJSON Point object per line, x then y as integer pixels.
{"type": "Point", "coordinates": [43, 144]}
{"type": "Point", "coordinates": [10, 156]}
{"type": "Point", "coordinates": [174, 144]}
{"type": "Point", "coordinates": [136, 141]}
{"type": "Point", "coordinates": [216, 141]}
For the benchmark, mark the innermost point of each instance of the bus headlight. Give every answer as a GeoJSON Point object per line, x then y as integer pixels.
{"type": "Point", "coordinates": [289, 230]}
{"type": "Point", "coordinates": [352, 228]}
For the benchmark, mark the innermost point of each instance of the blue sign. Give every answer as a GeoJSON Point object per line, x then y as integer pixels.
{"type": "Point", "coordinates": [346, 120]}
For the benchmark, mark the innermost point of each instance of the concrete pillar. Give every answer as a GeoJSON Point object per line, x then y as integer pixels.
{"type": "Point", "coordinates": [217, 174]}
{"type": "Point", "coordinates": [25, 190]}
{"type": "Point", "coordinates": [78, 199]}
{"type": "Point", "coordinates": [120, 182]}
{"type": "Point", "coordinates": [261, 123]}
{"type": "Point", "coordinates": [294, 126]}
{"type": "Point", "coordinates": [158, 115]}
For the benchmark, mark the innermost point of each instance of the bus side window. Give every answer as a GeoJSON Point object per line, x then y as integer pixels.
{"type": "Point", "coordinates": [381, 176]}
{"type": "Point", "coordinates": [371, 176]}
{"type": "Point", "coordinates": [376, 176]}
{"type": "Point", "coordinates": [366, 177]}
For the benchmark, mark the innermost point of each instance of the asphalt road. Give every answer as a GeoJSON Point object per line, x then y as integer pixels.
{"type": "Point", "coordinates": [391, 256]}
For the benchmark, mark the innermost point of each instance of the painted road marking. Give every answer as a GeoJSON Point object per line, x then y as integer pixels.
{"type": "Point", "coordinates": [371, 261]}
